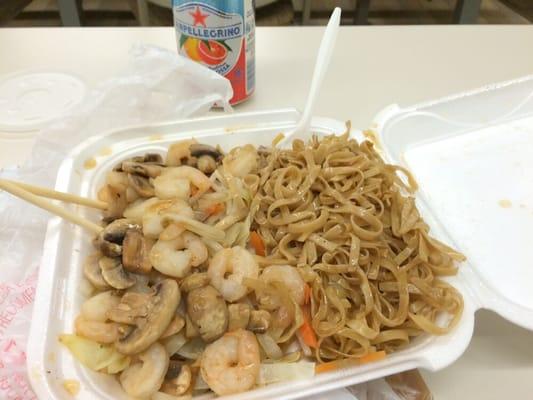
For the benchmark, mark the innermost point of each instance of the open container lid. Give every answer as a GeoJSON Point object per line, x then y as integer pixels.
{"type": "Point", "coordinates": [29, 100]}
{"type": "Point", "coordinates": [472, 156]}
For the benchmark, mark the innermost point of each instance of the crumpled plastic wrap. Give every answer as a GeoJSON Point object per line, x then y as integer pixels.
{"type": "Point", "coordinates": [157, 86]}
{"type": "Point", "coordinates": [408, 385]}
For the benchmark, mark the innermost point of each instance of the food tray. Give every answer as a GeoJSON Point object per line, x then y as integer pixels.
{"type": "Point", "coordinates": [403, 137]}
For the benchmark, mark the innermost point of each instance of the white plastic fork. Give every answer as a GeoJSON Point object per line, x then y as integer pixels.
{"type": "Point", "coordinates": [302, 129]}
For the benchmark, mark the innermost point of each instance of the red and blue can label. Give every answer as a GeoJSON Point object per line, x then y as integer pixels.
{"type": "Point", "coordinates": [221, 35]}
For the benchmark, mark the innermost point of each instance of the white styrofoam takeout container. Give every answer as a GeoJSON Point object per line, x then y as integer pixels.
{"type": "Point", "coordinates": [468, 153]}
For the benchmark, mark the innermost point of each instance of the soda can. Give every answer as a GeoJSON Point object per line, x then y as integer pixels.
{"type": "Point", "coordinates": [220, 34]}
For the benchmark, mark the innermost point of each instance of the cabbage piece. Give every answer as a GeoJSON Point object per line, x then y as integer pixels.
{"type": "Point", "coordinates": [282, 372]}
{"type": "Point", "coordinates": [200, 384]}
{"type": "Point", "coordinates": [174, 343]}
{"type": "Point", "coordinates": [269, 345]}
{"type": "Point", "coordinates": [193, 349]}
{"type": "Point", "coordinates": [94, 355]}
{"type": "Point", "coordinates": [120, 362]}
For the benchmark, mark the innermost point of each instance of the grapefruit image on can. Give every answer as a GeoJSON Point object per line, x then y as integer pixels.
{"type": "Point", "coordinates": [212, 52]}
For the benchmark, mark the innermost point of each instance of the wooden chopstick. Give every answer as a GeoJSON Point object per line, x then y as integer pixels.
{"type": "Point", "coordinates": [49, 206]}
{"type": "Point", "coordinates": [53, 194]}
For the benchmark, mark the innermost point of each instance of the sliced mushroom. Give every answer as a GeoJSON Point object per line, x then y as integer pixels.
{"type": "Point", "coordinates": [118, 180]}
{"type": "Point", "coordinates": [144, 169]}
{"type": "Point", "coordinates": [144, 378]}
{"type": "Point", "coordinates": [206, 164]}
{"type": "Point", "coordinates": [93, 273]}
{"type": "Point", "coordinates": [101, 332]}
{"type": "Point", "coordinates": [116, 204]}
{"type": "Point", "coordinates": [136, 159]}
{"type": "Point", "coordinates": [174, 369]}
{"type": "Point", "coordinates": [108, 248]}
{"type": "Point", "coordinates": [190, 329]}
{"type": "Point", "coordinates": [191, 161]}
{"type": "Point", "coordinates": [194, 281]}
{"type": "Point", "coordinates": [206, 157]}
{"type": "Point", "coordinates": [156, 277]}
{"type": "Point", "coordinates": [180, 383]}
{"type": "Point", "coordinates": [264, 150]}
{"type": "Point", "coordinates": [152, 158]}
{"type": "Point", "coordinates": [115, 231]}
{"type": "Point", "coordinates": [131, 306]}
{"type": "Point", "coordinates": [135, 252]}
{"type": "Point", "coordinates": [208, 312]}
{"type": "Point", "coordinates": [174, 327]}
{"type": "Point", "coordinates": [148, 158]}
{"type": "Point", "coordinates": [142, 284]}
{"type": "Point", "coordinates": [141, 185]}
{"type": "Point", "coordinates": [110, 239]}
{"type": "Point", "coordinates": [114, 273]}
{"type": "Point", "coordinates": [164, 303]}
{"type": "Point", "coordinates": [198, 150]}
{"type": "Point", "coordinates": [131, 195]}
{"type": "Point", "coordinates": [239, 316]}
{"type": "Point", "coordinates": [259, 321]}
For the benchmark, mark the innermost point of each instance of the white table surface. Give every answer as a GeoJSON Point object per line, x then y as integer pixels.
{"type": "Point", "coordinates": [372, 67]}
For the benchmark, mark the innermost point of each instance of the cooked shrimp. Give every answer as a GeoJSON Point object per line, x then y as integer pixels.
{"type": "Point", "coordinates": [231, 364]}
{"type": "Point", "coordinates": [176, 257]}
{"type": "Point", "coordinates": [143, 379]}
{"type": "Point", "coordinates": [227, 270]}
{"type": "Point", "coordinates": [195, 177]}
{"type": "Point", "coordinates": [97, 307]}
{"type": "Point", "coordinates": [241, 161]}
{"type": "Point", "coordinates": [170, 185]}
{"type": "Point", "coordinates": [153, 220]}
{"type": "Point", "coordinates": [289, 276]}
{"type": "Point", "coordinates": [137, 209]}
{"type": "Point", "coordinates": [179, 151]}
{"type": "Point", "coordinates": [197, 247]}
{"type": "Point", "coordinates": [152, 213]}
{"type": "Point", "coordinates": [171, 232]}
{"type": "Point", "coordinates": [92, 320]}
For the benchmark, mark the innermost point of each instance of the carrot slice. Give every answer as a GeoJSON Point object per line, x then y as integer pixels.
{"type": "Point", "coordinates": [345, 363]}
{"type": "Point", "coordinates": [331, 366]}
{"type": "Point", "coordinates": [372, 357]}
{"type": "Point", "coordinates": [306, 330]}
{"type": "Point", "coordinates": [257, 243]}
{"type": "Point", "coordinates": [214, 209]}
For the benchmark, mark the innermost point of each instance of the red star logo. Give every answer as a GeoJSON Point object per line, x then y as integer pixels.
{"type": "Point", "coordinates": [199, 18]}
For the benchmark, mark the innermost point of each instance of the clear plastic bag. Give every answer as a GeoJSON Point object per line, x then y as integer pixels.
{"type": "Point", "coordinates": [408, 385]}
{"type": "Point", "coordinates": [157, 86]}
